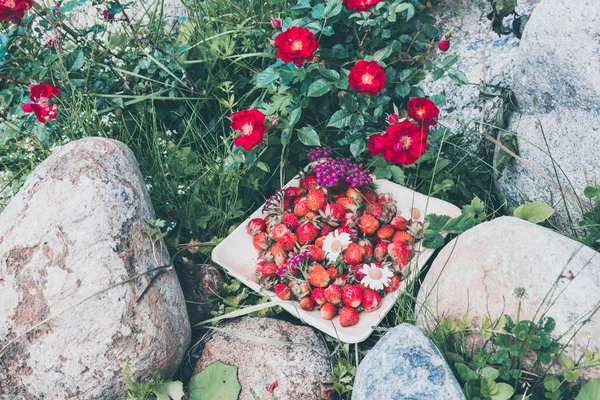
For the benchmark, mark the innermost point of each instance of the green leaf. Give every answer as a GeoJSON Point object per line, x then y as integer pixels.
{"type": "Point", "coordinates": [318, 88]}
{"type": "Point", "coordinates": [449, 61]}
{"type": "Point", "coordinates": [465, 373]}
{"type": "Point", "coordinates": [590, 391]}
{"type": "Point", "coordinates": [591, 192]}
{"type": "Point", "coordinates": [286, 134]}
{"type": "Point", "coordinates": [340, 119]}
{"type": "Point", "coordinates": [432, 239]}
{"type": "Point", "coordinates": [565, 361]}
{"type": "Point", "coordinates": [438, 99]}
{"type": "Point", "coordinates": [333, 8]}
{"type": "Point", "coordinates": [74, 61]}
{"type": "Point", "coordinates": [491, 372]}
{"type": "Point", "coordinates": [357, 147]}
{"type": "Point", "coordinates": [382, 173]}
{"type": "Point", "coordinates": [488, 386]}
{"type": "Point", "coordinates": [397, 174]}
{"type": "Point", "coordinates": [458, 77]}
{"type": "Point", "coordinates": [295, 116]}
{"type": "Point", "coordinates": [170, 390]}
{"type": "Point", "coordinates": [571, 376]}
{"type": "Point", "coordinates": [218, 381]}
{"type": "Point", "coordinates": [504, 392]}
{"type": "Point", "coordinates": [382, 54]}
{"type": "Point", "coordinates": [549, 324]}
{"type": "Point", "coordinates": [552, 383]}
{"type": "Point", "coordinates": [459, 224]}
{"type": "Point", "coordinates": [503, 158]}
{"type": "Point", "coordinates": [403, 89]}
{"type": "Point", "coordinates": [436, 221]}
{"type": "Point", "coordinates": [534, 212]}
{"type": "Point", "coordinates": [266, 77]}
{"type": "Point", "coordinates": [308, 136]}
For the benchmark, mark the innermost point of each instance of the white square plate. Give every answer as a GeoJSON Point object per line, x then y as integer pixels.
{"type": "Point", "coordinates": [237, 255]}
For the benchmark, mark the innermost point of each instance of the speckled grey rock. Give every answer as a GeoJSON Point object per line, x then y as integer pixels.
{"type": "Point", "coordinates": [556, 80]}
{"type": "Point", "coordinates": [74, 229]}
{"type": "Point", "coordinates": [405, 364]}
{"type": "Point", "coordinates": [298, 368]}
{"type": "Point", "coordinates": [479, 271]}
{"type": "Point", "coordinates": [468, 23]}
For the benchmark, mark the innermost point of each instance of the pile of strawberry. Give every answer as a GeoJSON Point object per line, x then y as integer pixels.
{"type": "Point", "coordinates": [336, 248]}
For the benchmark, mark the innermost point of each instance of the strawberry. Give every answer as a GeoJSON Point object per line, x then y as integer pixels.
{"type": "Point", "coordinates": [354, 194]}
{"type": "Point", "coordinates": [307, 304]}
{"type": "Point", "coordinates": [326, 230]}
{"type": "Point", "coordinates": [289, 240]}
{"type": "Point", "coordinates": [333, 272]}
{"type": "Point", "coordinates": [300, 289]}
{"type": "Point", "coordinates": [368, 252]}
{"type": "Point", "coordinates": [397, 250]}
{"type": "Point", "coordinates": [381, 250]}
{"type": "Point", "coordinates": [283, 291]}
{"type": "Point", "coordinates": [374, 209]}
{"type": "Point", "coordinates": [353, 254]}
{"type": "Point", "coordinates": [255, 226]}
{"type": "Point", "coordinates": [348, 204]}
{"type": "Point", "coordinates": [400, 223]}
{"type": "Point", "coordinates": [287, 202]}
{"type": "Point", "coordinates": [402, 237]}
{"type": "Point", "coordinates": [260, 241]}
{"type": "Point", "coordinates": [278, 231]}
{"type": "Point", "coordinates": [300, 209]}
{"type": "Point", "coordinates": [333, 211]}
{"type": "Point", "coordinates": [352, 295]}
{"type": "Point", "coordinates": [385, 232]}
{"type": "Point", "coordinates": [316, 254]}
{"type": "Point", "coordinates": [348, 231]}
{"type": "Point", "coordinates": [317, 276]}
{"type": "Point", "coordinates": [356, 270]}
{"type": "Point", "coordinates": [266, 269]}
{"type": "Point", "coordinates": [368, 224]}
{"type": "Point", "coordinates": [333, 294]}
{"type": "Point", "coordinates": [311, 215]}
{"type": "Point", "coordinates": [307, 233]}
{"type": "Point", "coordinates": [394, 284]}
{"type": "Point", "coordinates": [289, 219]}
{"type": "Point", "coordinates": [280, 259]}
{"type": "Point", "coordinates": [276, 249]}
{"type": "Point", "coordinates": [370, 196]}
{"type": "Point", "coordinates": [371, 300]}
{"type": "Point", "coordinates": [348, 316]}
{"type": "Point", "coordinates": [319, 241]}
{"type": "Point", "coordinates": [328, 311]}
{"type": "Point", "coordinates": [341, 281]}
{"type": "Point", "coordinates": [316, 199]}
{"type": "Point", "coordinates": [308, 182]}
{"type": "Point", "coordinates": [293, 191]}
{"type": "Point", "coordinates": [318, 296]}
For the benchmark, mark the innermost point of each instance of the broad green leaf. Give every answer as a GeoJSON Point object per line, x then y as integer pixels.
{"type": "Point", "coordinates": [591, 192]}
{"type": "Point", "coordinates": [382, 173]}
{"type": "Point", "coordinates": [170, 390]}
{"type": "Point", "coordinates": [590, 391]}
{"type": "Point", "coordinates": [357, 147]}
{"type": "Point", "coordinates": [565, 361]}
{"type": "Point", "coordinates": [333, 8]}
{"type": "Point", "coordinates": [438, 99]}
{"type": "Point", "coordinates": [488, 386]}
{"type": "Point", "coordinates": [218, 381]}
{"type": "Point", "coordinates": [295, 116]}
{"type": "Point", "coordinates": [534, 212]}
{"type": "Point", "coordinates": [432, 239]}
{"type": "Point", "coordinates": [382, 54]}
{"type": "Point", "coordinates": [266, 77]}
{"type": "Point", "coordinates": [318, 88]}
{"type": "Point", "coordinates": [403, 89]}
{"type": "Point", "coordinates": [459, 224]}
{"type": "Point", "coordinates": [458, 77]}
{"type": "Point", "coordinates": [397, 174]}
{"type": "Point", "coordinates": [308, 136]}
{"type": "Point", "coordinates": [551, 383]}
{"type": "Point", "coordinates": [74, 61]}
{"type": "Point", "coordinates": [491, 372]}
{"type": "Point", "coordinates": [504, 392]}
{"type": "Point", "coordinates": [436, 221]}
{"type": "Point", "coordinates": [340, 119]}
{"type": "Point", "coordinates": [286, 134]}
{"type": "Point", "coordinates": [571, 376]}
{"type": "Point", "coordinates": [509, 140]}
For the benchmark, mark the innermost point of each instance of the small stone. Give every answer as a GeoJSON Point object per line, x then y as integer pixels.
{"type": "Point", "coordinates": [405, 364]}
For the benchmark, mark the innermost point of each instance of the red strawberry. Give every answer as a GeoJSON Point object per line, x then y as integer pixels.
{"type": "Point", "coordinates": [334, 210]}
{"type": "Point", "coordinates": [400, 223]}
{"type": "Point", "coordinates": [308, 182]}
{"type": "Point", "coordinates": [318, 296]}
{"type": "Point", "coordinates": [280, 259]}
{"type": "Point", "coordinates": [348, 316]}
{"type": "Point", "coordinates": [394, 284]}
{"type": "Point", "coordinates": [316, 199]}
{"type": "Point", "coordinates": [300, 209]}
{"type": "Point", "coordinates": [260, 241]}
{"type": "Point", "coordinates": [348, 231]}
{"type": "Point", "coordinates": [289, 241]}
{"type": "Point", "coordinates": [300, 289]}
{"type": "Point", "coordinates": [398, 249]}
{"type": "Point", "coordinates": [402, 237]}
{"type": "Point", "coordinates": [307, 304]}
{"type": "Point", "coordinates": [283, 291]}
{"type": "Point", "coordinates": [293, 191]}
{"type": "Point", "coordinates": [341, 281]}
{"type": "Point", "coordinates": [333, 272]}
{"type": "Point", "coordinates": [368, 224]}
{"type": "Point", "coordinates": [371, 300]}
{"type": "Point", "coordinates": [374, 209]}
{"type": "Point", "coordinates": [311, 215]}
{"type": "Point", "coordinates": [353, 254]}
{"type": "Point", "coordinates": [354, 194]}
{"type": "Point", "coordinates": [368, 252]}
{"type": "Point", "coordinates": [385, 232]}
{"type": "Point", "coordinates": [316, 254]}
{"type": "Point", "coordinates": [348, 204]}
{"type": "Point", "coordinates": [326, 230]}
{"type": "Point", "coordinates": [352, 295]}
{"type": "Point", "coordinates": [307, 233]}
{"type": "Point", "coordinates": [319, 242]}
{"type": "Point", "coordinates": [276, 249]}
{"type": "Point", "coordinates": [328, 311]}
{"type": "Point", "coordinates": [278, 231]}
{"type": "Point", "coordinates": [289, 219]}
{"type": "Point", "coordinates": [356, 270]}
{"type": "Point", "coordinates": [255, 226]}
{"type": "Point", "coordinates": [266, 268]}
{"type": "Point", "coordinates": [317, 276]}
{"type": "Point", "coordinates": [381, 250]}
{"type": "Point", "coordinates": [333, 294]}
{"type": "Point", "coordinates": [370, 196]}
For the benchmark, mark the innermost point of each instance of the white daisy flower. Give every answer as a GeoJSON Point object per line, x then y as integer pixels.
{"type": "Point", "coordinates": [335, 243]}
{"type": "Point", "coordinates": [376, 278]}
{"type": "Point", "coordinates": [410, 213]}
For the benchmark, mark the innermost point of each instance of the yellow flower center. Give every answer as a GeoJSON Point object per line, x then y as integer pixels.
{"type": "Point", "coordinates": [8, 3]}
{"type": "Point", "coordinates": [375, 274]}
{"type": "Point", "coordinates": [420, 112]}
{"type": "Point", "coordinates": [336, 246]}
{"type": "Point", "coordinates": [296, 45]}
{"type": "Point", "coordinates": [367, 79]}
{"type": "Point", "coordinates": [405, 141]}
{"type": "Point", "coordinates": [247, 129]}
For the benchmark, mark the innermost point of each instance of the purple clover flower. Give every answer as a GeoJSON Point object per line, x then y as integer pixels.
{"type": "Point", "coordinates": [319, 152]}
{"type": "Point", "coordinates": [271, 200]}
{"type": "Point", "coordinates": [331, 171]}
{"type": "Point", "coordinates": [293, 262]}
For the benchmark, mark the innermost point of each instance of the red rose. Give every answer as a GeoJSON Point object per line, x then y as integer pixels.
{"type": "Point", "coordinates": [423, 111]}
{"type": "Point", "coordinates": [360, 5]}
{"type": "Point", "coordinates": [375, 145]}
{"type": "Point", "coordinates": [276, 23]}
{"type": "Point", "coordinates": [404, 143]}
{"type": "Point", "coordinates": [296, 45]}
{"type": "Point", "coordinates": [393, 119]}
{"type": "Point", "coordinates": [14, 10]}
{"type": "Point", "coordinates": [444, 45]}
{"type": "Point", "coordinates": [367, 77]}
{"type": "Point", "coordinates": [252, 124]}
{"type": "Point", "coordinates": [43, 92]}
{"type": "Point", "coordinates": [43, 112]}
